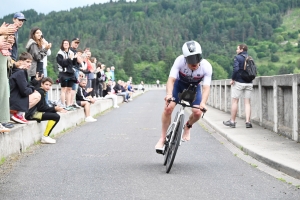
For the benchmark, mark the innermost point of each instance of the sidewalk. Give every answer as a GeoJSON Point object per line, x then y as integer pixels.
{"type": "Point", "coordinates": [267, 147]}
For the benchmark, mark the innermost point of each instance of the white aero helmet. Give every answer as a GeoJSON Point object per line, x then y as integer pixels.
{"type": "Point", "coordinates": [192, 52]}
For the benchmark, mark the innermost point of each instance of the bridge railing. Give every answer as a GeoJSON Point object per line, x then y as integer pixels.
{"type": "Point", "coordinates": [274, 102]}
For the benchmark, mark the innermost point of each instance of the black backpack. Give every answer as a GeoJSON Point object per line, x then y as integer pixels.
{"type": "Point", "coordinates": [249, 72]}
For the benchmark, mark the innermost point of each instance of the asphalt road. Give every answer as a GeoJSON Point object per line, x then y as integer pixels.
{"type": "Point", "coordinates": [114, 158]}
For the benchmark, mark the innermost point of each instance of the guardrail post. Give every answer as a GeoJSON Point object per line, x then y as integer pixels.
{"type": "Point", "coordinates": [295, 134]}
{"type": "Point", "coordinates": [260, 102]}
{"type": "Point", "coordinates": [220, 98]}
{"type": "Point", "coordinates": [225, 96]}
{"type": "Point", "coordinates": [275, 108]}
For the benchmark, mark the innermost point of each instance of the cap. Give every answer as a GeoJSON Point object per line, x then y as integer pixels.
{"type": "Point", "coordinates": [19, 15]}
{"type": "Point", "coordinates": [76, 39]}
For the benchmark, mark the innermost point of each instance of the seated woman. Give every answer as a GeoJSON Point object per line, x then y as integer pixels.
{"type": "Point", "coordinates": [23, 96]}
{"type": "Point", "coordinates": [84, 99]}
{"type": "Point", "coordinates": [42, 112]}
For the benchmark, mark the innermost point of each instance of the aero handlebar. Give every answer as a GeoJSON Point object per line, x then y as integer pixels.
{"type": "Point", "coordinates": [186, 105]}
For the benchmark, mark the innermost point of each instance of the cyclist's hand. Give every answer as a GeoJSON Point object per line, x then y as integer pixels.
{"type": "Point", "coordinates": [168, 96]}
{"type": "Point", "coordinates": [203, 107]}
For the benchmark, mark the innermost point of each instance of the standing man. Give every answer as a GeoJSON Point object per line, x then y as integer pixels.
{"type": "Point", "coordinates": [157, 83]}
{"type": "Point", "coordinates": [74, 46]}
{"type": "Point", "coordinates": [18, 20]}
{"type": "Point", "coordinates": [189, 68]}
{"type": "Point", "coordinates": [239, 87]}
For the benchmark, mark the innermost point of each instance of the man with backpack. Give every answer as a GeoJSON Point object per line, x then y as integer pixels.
{"type": "Point", "coordinates": [241, 84]}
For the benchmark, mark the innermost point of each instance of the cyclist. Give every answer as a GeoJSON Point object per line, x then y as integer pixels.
{"type": "Point", "coordinates": [189, 68]}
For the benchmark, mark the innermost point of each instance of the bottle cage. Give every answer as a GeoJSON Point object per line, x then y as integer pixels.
{"type": "Point", "coordinates": [188, 94]}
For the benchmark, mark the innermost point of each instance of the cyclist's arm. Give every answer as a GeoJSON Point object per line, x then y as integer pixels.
{"type": "Point", "coordinates": [206, 84]}
{"type": "Point", "coordinates": [205, 94]}
{"type": "Point", "coordinates": [169, 87]}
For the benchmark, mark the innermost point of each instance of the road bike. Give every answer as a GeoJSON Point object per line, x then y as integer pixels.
{"type": "Point", "coordinates": [174, 132]}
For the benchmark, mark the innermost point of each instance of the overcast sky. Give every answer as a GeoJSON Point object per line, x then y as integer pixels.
{"type": "Point", "coordinates": [43, 6]}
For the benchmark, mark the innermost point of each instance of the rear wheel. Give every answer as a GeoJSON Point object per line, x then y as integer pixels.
{"type": "Point", "coordinates": [173, 145]}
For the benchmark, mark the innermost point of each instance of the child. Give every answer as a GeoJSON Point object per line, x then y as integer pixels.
{"type": "Point", "coordinates": [23, 96]}
{"type": "Point", "coordinates": [42, 112]}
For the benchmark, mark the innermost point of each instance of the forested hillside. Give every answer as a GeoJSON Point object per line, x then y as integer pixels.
{"type": "Point", "coordinates": [142, 38]}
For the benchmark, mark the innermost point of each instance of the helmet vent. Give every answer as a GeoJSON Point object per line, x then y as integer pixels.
{"type": "Point", "coordinates": [191, 46]}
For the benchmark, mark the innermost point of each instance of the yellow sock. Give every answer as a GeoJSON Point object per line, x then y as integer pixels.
{"type": "Point", "coordinates": [49, 127]}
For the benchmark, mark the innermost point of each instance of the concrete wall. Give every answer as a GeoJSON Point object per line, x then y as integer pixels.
{"type": "Point", "coordinates": [275, 103]}
{"type": "Point", "coordinates": [23, 136]}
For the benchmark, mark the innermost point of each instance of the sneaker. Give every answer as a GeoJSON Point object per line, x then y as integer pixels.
{"type": "Point", "coordinates": [4, 129]}
{"type": "Point", "coordinates": [70, 108]}
{"type": "Point", "coordinates": [48, 140]}
{"type": "Point", "coordinates": [248, 125]}
{"type": "Point", "coordinates": [116, 106]}
{"type": "Point", "coordinates": [229, 123]}
{"type": "Point", "coordinates": [130, 99]}
{"type": "Point", "coordinates": [75, 105]}
{"type": "Point", "coordinates": [19, 119]}
{"type": "Point", "coordinates": [8, 125]}
{"type": "Point", "coordinates": [90, 119]}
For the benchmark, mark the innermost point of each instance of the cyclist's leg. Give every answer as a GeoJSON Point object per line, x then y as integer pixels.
{"type": "Point", "coordinates": [166, 120]}
{"type": "Point", "coordinates": [167, 113]}
{"type": "Point", "coordinates": [195, 116]}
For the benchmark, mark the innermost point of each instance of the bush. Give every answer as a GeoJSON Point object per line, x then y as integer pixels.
{"type": "Point", "coordinates": [261, 55]}
{"type": "Point", "coordinates": [274, 58]}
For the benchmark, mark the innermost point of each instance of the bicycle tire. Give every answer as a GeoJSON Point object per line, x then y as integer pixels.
{"type": "Point", "coordinates": [174, 144]}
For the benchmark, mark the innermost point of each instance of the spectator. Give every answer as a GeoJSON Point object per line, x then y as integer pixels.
{"type": "Point", "coordinates": [92, 76]}
{"type": "Point", "coordinates": [42, 112]}
{"type": "Point", "coordinates": [109, 94]}
{"type": "Point", "coordinates": [118, 91]}
{"type": "Point", "coordinates": [130, 89]}
{"type": "Point", "coordinates": [22, 95]}
{"type": "Point", "coordinates": [99, 81]}
{"type": "Point", "coordinates": [66, 60]}
{"type": "Point", "coordinates": [157, 83]}
{"type": "Point", "coordinates": [108, 74]}
{"type": "Point", "coordinates": [45, 61]}
{"type": "Point", "coordinates": [35, 47]}
{"type": "Point", "coordinates": [76, 67]}
{"type": "Point", "coordinates": [89, 68]}
{"type": "Point", "coordinates": [85, 100]}
{"type": "Point", "coordinates": [240, 87]}
{"type": "Point", "coordinates": [112, 71]}
{"type": "Point", "coordinates": [4, 87]}
{"type": "Point", "coordinates": [124, 88]}
{"type": "Point", "coordinates": [141, 86]}
{"type": "Point", "coordinates": [18, 20]}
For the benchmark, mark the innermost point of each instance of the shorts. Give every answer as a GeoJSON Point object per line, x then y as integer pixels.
{"type": "Point", "coordinates": [66, 82]}
{"type": "Point", "coordinates": [75, 85]}
{"type": "Point", "coordinates": [179, 86]}
{"type": "Point", "coordinates": [79, 103]}
{"type": "Point", "coordinates": [241, 88]}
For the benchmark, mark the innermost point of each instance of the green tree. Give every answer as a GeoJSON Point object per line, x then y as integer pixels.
{"type": "Point", "coordinates": [274, 58]}
{"type": "Point", "coordinates": [128, 63]}
{"type": "Point", "coordinates": [218, 71]}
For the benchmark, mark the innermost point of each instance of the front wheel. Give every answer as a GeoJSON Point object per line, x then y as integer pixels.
{"type": "Point", "coordinates": [173, 145]}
